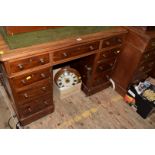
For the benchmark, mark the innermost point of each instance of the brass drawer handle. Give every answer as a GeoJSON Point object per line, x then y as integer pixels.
{"type": "Point", "coordinates": [107, 43]}
{"type": "Point", "coordinates": [20, 66]}
{"type": "Point", "coordinates": [146, 56]}
{"type": "Point", "coordinates": [88, 68]}
{"type": "Point", "coordinates": [141, 68]}
{"type": "Point", "coordinates": [29, 109]}
{"type": "Point", "coordinates": [45, 102]}
{"type": "Point", "coordinates": [42, 61]}
{"type": "Point", "coordinates": [23, 81]}
{"type": "Point", "coordinates": [101, 68]}
{"type": "Point", "coordinates": [43, 88]}
{"type": "Point", "coordinates": [91, 47]}
{"type": "Point", "coordinates": [42, 75]}
{"type": "Point", "coordinates": [65, 54]}
{"type": "Point", "coordinates": [119, 40]}
{"type": "Point", "coordinates": [104, 55]}
{"type": "Point", "coordinates": [26, 95]}
{"type": "Point", "coordinates": [117, 52]}
{"type": "Point", "coordinates": [111, 64]}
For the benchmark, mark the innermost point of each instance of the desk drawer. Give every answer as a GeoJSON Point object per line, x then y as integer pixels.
{"type": "Point", "coordinates": [42, 88]}
{"type": "Point", "coordinates": [102, 78]}
{"type": "Point", "coordinates": [35, 106]}
{"type": "Point", "coordinates": [109, 54]}
{"type": "Point", "coordinates": [148, 56]}
{"type": "Point", "coordinates": [27, 63]}
{"type": "Point", "coordinates": [75, 51]}
{"type": "Point", "coordinates": [30, 78]}
{"type": "Point", "coordinates": [112, 41]}
{"type": "Point", "coordinates": [151, 44]}
{"type": "Point", "coordinates": [105, 65]}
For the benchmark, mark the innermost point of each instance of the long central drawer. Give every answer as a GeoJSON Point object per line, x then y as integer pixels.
{"type": "Point", "coordinates": [75, 51]}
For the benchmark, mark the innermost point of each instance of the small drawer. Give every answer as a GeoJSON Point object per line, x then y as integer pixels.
{"type": "Point", "coordinates": [109, 54]}
{"type": "Point", "coordinates": [42, 88]}
{"type": "Point", "coordinates": [112, 41]}
{"type": "Point", "coordinates": [27, 63]}
{"type": "Point", "coordinates": [30, 78]}
{"type": "Point", "coordinates": [151, 44]}
{"type": "Point", "coordinates": [75, 51]}
{"type": "Point", "coordinates": [148, 56]}
{"type": "Point", "coordinates": [139, 77]}
{"type": "Point", "coordinates": [146, 66]}
{"type": "Point", "coordinates": [103, 78]}
{"type": "Point", "coordinates": [105, 65]}
{"type": "Point", "coordinates": [35, 106]}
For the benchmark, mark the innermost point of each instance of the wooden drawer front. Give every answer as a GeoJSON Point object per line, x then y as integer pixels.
{"type": "Point", "coordinates": [35, 106]}
{"type": "Point", "coordinates": [139, 77]}
{"type": "Point", "coordinates": [146, 67]}
{"type": "Point", "coordinates": [151, 44]}
{"type": "Point", "coordinates": [23, 64]}
{"type": "Point", "coordinates": [28, 79]}
{"type": "Point", "coordinates": [102, 78]}
{"type": "Point", "coordinates": [109, 54]}
{"type": "Point", "coordinates": [104, 66]}
{"type": "Point", "coordinates": [112, 41]}
{"type": "Point", "coordinates": [148, 56]}
{"type": "Point", "coordinates": [75, 51]}
{"type": "Point", "coordinates": [43, 88]}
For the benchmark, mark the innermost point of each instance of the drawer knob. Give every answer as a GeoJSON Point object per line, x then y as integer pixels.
{"type": "Point", "coordinates": [108, 77]}
{"type": "Point", "coordinates": [26, 95]}
{"type": "Point", "coordinates": [107, 43]}
{"type": "Point", "coordinates": [141, 68]}
{"type": "Point", "coordinates": [21, 67]}
{"type": "Point", "coordinates": [101, 68]}
{"type": "Point", "coordinates": [146, 56]}
{"type": "Point", "coordinates": [29, 109]}
{"type": "Point", "coordinates": [42, 61]}
{"type": "Point", "coordinates": [43, 88]}
{"type": "Point", "coordinates": [45, 102]}
{"type": "Point", "coordinates": [23, 81]}
{"type": "Point", "coordinates": [91, 47]}
{"type": "Point", "coordinates": [119, 40]}
{"type": "Point", "coordinates": [117, 52]}
{"type": "Point", "coordinates": [104, 55]}
{"type": "Point", "coordinates": [111, 64]}
{"type": "Point", "coordinates": [43, 75]}
{"type": "Point", "coordinates": [65, 54]}
{"type": "Point", "coordinates": [88, 68]}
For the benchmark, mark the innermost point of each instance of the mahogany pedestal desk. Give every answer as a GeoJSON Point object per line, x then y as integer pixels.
{"type": "Point", "coordinates": [27, 72]}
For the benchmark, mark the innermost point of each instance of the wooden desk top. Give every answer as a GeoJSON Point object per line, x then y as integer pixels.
{"type": "Point", "coordinates": [62, 37]}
